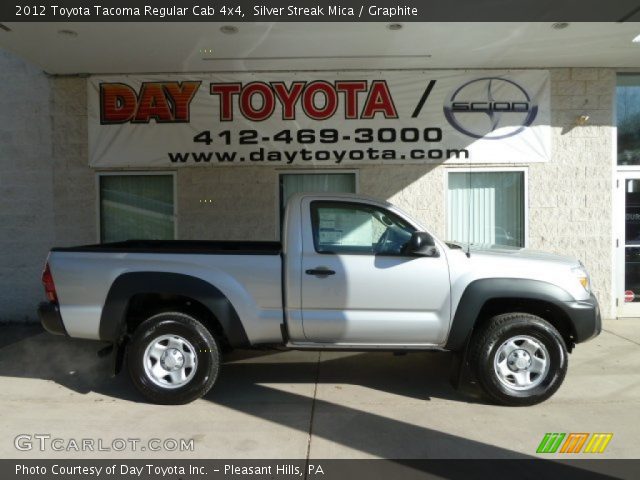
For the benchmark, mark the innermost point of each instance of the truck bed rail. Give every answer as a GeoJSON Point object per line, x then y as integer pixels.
{"type": "Point", "coordinates": [181, 246]}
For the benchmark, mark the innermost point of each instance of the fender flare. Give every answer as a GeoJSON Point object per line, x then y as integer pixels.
{"type": "Point", "coordinates": [480, 291]}
{"type": "Point", "coordinates": [124, 287]}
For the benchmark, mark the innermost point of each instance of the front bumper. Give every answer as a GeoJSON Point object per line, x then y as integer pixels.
{"type": "Point", "coordinates": [585, 317]}
{"type": "Point", "coordinates": [50, 318]}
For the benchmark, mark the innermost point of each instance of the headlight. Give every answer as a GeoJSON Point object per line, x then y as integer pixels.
{"type": "Point", "coordinates": [582, 276]}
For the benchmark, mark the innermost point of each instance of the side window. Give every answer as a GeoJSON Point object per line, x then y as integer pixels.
{"type": "Point", "coordinates": [291, 183]}
{"type": "Point", "coordinates": [137, 207]}
{"type": "Point", "coordinates": [487, 208]}
{"type": "Point", "coordinates": [352, 228]}
{"type": "Point", "coordinates": [628, 118]}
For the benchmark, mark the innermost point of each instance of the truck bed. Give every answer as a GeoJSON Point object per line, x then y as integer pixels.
{"type": "Point", "coordinates": [181, 246]}
{"type": "Point", "coordinates": [248, 274]}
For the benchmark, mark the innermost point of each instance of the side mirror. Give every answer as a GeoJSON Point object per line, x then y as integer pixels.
{"type": "Point", "coordinates": [422, 244]}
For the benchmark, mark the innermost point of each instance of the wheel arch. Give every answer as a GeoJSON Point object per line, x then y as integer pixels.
{"type": "Point", "coordinates": [485, 298]}
{"type": "Point", "coordinates": [203, 296]}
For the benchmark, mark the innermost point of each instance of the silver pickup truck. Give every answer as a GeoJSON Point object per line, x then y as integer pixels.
{"type": "Point", "coordinates": [351, 273]}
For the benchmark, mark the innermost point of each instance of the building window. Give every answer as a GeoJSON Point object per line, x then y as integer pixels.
{"type": "Point", "coordinates": [136, 207]}
{"type": "Point", "coordinates": [628, 119]}
{"type": "Point", "coordinates": [291, 183]}
{"type": "Point", "coordinates": [487, 208]}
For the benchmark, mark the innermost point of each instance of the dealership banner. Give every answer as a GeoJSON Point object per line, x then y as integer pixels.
{"type": "Point", "coordinates": [319, 118]}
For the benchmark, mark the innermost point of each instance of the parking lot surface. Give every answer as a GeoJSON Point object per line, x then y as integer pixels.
{"type": "Point", "coordinates": [271, 404]}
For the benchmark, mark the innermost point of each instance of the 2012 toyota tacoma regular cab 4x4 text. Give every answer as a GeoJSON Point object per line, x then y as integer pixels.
{"type": "Point", "coordinates": [351, 273]}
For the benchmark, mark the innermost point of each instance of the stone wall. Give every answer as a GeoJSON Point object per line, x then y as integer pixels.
{"type": "Point", "coordinates": [571, 197]}
{"type": "Point", "coordinates": [49, 193]}
{"type": "Point", "coordinates": [26, 186]}
{"type": "Point", "coordinates": [74, 183]}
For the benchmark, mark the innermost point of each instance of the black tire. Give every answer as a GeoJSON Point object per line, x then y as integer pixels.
{"type": "Point", "coordinates": [487, 343]}
{"type": "Point", "coordinates": [180, 327]}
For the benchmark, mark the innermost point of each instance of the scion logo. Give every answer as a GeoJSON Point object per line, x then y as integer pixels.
{"type": "Point", "coordinates": [490, 107]}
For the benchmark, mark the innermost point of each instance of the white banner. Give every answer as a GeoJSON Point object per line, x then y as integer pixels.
{"type": "Point", "coordinates": [319, 118]}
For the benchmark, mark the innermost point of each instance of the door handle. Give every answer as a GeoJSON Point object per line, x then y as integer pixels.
{"type": "Point", "coordinates": [320, 271]}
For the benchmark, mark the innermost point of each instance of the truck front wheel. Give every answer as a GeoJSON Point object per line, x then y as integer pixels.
{"type": "Point", "coordinates": [520, 359]}
{"type": "Point", "coordinates": [173, 358]}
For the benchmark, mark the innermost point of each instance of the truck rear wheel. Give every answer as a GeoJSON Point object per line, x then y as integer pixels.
{"type": "Point", "coordinates": [520, 359]}
{"type": "Point", "coordinates": [173, 358]}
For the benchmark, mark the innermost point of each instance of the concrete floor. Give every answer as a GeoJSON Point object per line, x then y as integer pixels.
{"type": "Point", "coordinates": [299, 404]}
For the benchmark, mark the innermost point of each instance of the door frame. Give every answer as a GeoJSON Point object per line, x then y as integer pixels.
{"type": "Point", "coordinates": [623, 309]}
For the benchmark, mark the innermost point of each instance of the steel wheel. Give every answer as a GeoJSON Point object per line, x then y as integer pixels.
{"type": "Point", "coordinates": [521, 362]}
{"type": "Point", "coordinates": [519, 358]}
{"type": "Point", "coordinates": [170, 361]}
{"type": "Point", "coordinates": [173, 358]}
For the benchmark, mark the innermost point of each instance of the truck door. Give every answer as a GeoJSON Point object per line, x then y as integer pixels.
{"type": "Point", "coordinates": [358, 287]}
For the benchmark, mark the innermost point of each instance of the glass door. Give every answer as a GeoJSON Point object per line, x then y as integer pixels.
{"type": "Point", "coordinates": [628, 244]}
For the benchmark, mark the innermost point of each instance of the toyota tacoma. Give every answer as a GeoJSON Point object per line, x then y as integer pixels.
{"type": "Point", "coordinates": [351, 273]}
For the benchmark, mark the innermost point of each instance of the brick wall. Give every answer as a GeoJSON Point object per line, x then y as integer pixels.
{"type": "Point", "coordinates": [48, 191]}
{"type": "Point", "coordinates": [74, 183]}
{"type": "Point", "coordinates": [570, 198]}
{"type": "Point", "coordinates": [26, 186]}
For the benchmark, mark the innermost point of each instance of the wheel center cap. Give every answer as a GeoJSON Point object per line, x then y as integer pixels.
{"type": "Point", "coordinates": [172, 359]}
{"type": "Point", "coordinates": [519, 360]}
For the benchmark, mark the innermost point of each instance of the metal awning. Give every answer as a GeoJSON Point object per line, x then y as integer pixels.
{"type": "Point", "coordinates": [88, 48]}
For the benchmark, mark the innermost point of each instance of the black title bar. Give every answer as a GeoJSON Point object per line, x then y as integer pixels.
{"type": "Point", "coordinates": [454, 469]}
{"type": "Point", "coordinates": [232, 11]}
